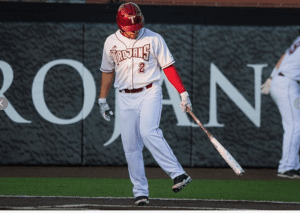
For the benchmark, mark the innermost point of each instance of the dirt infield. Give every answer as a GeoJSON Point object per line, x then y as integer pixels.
{"type": "Point", "coordinates": [109, 203]}
{"type": "Point", "coordinates": [122, 172]}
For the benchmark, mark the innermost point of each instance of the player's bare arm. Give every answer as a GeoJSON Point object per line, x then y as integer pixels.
{"type": "Point", "coordinates": [106, 83]}
{"type": "Point", "coordinates": [279, 62]}
{"type": "Point", "coordinates": [265, 87]}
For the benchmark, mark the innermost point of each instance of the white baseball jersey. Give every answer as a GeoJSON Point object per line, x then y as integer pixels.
{"type": "Point", "coordinates": [290, 65]}
{"type": "Point", "coordinates": [137, 62]}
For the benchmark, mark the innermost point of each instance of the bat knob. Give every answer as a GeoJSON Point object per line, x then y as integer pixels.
{"type": "Point", "coordinates": [241, 174]}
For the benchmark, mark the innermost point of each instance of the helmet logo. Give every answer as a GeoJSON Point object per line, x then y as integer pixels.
{"type": "Point", "coordinates": [132, 19]}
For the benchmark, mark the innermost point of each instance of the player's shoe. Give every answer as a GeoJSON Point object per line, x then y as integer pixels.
{"type": "Point", "coordinates": [141, 201]}
{"type": "Point", "coordinates": [298, 173]}
{"type": "Point", "coordinates": [180, 182]}
{"type": "Point", "coordinates": [289, 174]}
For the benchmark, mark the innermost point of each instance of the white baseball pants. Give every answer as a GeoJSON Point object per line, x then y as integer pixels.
{"type": "Point", "coordinates": [284, 91]}
{"type": "Point", "coordinates": [140, 117]}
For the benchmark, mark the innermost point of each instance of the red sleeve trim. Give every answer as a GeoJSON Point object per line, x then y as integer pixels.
{"type": "Point", "coordinates": [174, 78]}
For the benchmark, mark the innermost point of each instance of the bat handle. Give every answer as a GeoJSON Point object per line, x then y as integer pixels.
{"type": "Point", "coordinates": [198, 122]}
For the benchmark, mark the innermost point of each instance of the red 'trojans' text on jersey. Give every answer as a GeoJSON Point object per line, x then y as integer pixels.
{"type": "Point", "coordinates": [137, 52]}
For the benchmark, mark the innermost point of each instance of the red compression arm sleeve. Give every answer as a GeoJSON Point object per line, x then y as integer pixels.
{"type": "Point", "coordinates": [174, 78]}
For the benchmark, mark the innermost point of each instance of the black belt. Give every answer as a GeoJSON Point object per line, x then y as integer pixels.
{"type": "Point", "coordinates": [136, 90]}
{"type": "Point", "coordinates": [280, 74]}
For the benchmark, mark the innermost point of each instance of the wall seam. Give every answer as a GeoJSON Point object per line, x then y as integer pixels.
{"type": "Point", "coordinates": [192, 95]}
{"type": "Point", "coordinates": [82, 124]}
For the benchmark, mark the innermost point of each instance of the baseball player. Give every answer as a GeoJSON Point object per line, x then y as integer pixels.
{"type": "Point", "coordinates": [284, 89]}
{"type": "Point", "coordinates": [135, 56]}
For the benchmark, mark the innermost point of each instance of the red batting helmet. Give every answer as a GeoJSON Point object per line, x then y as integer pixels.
{"type": "Point", "coordinates": [130, 17]}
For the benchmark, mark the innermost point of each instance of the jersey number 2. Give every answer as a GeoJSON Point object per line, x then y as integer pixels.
{"type": "Point", "coordinates": [142, 67]}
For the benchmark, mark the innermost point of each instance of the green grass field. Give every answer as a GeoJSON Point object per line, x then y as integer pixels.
{"type": "Point", "coordinates": [283, 190]}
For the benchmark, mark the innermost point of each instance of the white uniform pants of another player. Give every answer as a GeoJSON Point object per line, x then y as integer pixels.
{"type": "Point", "coordinates": [284, 91]}
{"type": "Point", "coordinates": [140, 117]}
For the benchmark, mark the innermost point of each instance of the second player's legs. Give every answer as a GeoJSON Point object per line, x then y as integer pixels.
{"type": "Point", "coordinates": [150, 114]}
{"type": "Point", "coordinates": [284, 91]}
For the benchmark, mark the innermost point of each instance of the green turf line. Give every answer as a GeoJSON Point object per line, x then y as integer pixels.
{"type": "Point", "coordinates": [283, 190]}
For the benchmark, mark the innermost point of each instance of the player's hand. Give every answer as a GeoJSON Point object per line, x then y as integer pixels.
{"type": "Point", "coordinates": [185, 101]}
{"type": "Point", "coordinates": [265, 87]}
{"type": "Point", "coordinates": [104, 109]}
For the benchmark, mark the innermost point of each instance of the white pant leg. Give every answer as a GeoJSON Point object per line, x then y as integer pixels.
{"type": "Point", "coordinates": [150, 114]}
{"type": "Point", "coordinates": [133, 144]}
{"type": "Point", "coordinates": [284, 91]}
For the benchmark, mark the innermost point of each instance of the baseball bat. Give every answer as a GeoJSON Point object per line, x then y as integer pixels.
{"type": "Point", "coordinates": [223, 152]}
